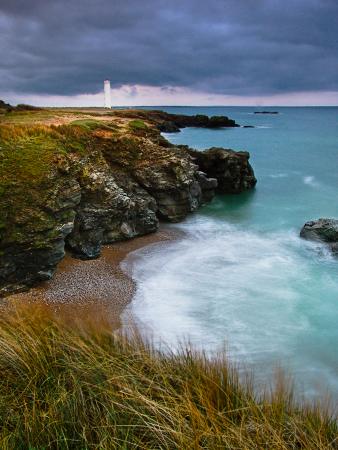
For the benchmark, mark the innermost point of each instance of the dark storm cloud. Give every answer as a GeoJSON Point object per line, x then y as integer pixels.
{"type": "Point", "coordinates": [243, 47]}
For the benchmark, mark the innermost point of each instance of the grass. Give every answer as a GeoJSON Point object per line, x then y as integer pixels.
{"type": "Point", "coordinates": [74, 384]}
{"type": "Point", "coordinates": [138, 125]}
{"type": "Point", "coordinates": [35, 160]}
{"type": "Point", "coordinates": [93, 124]}
{"type": "Point", "coordinates": [30, 156]}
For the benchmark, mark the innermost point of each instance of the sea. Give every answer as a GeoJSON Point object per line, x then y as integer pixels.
{"type": "Point", "coordinates": [240, 277]}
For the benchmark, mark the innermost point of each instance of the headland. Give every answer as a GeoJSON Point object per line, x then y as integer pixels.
{"type": "Point", "coordinates": [78, 179]}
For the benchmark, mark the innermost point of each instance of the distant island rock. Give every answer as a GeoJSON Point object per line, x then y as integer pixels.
{"type": "Point", "coordinates": [322, 230]}
{"type": "Point", "coordinates": [170, 123]}
{"type": "Point", "coordinates": [266, 112]}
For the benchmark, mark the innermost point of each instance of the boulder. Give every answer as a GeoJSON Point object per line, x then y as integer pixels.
{"type": "Point", "coordinates": [321, 230]}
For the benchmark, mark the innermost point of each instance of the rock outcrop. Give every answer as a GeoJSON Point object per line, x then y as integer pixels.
{"type": "Point", "coordinates": [171, 123]}
{"type": "Point", "coordinates": [231, 169]}
{"type": "Point", "coordinates": [90, 183]}
{"type": "Point", "coordinates": [322, 230]}
{"type": "Point", "coordinates": [266, 112]}
{"type": "Point", "coordinates": [202, 121]}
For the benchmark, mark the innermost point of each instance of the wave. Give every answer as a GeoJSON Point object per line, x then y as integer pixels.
{"type": "Point", "coordinates": [255, 291]}
{"type": "Point", "coordinates": [279, 175]}
{"type": "Point", "coordinates": [310, 181]}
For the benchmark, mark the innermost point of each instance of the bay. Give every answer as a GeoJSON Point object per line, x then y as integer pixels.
{"type": "Point", "coordinates": [242, 276]}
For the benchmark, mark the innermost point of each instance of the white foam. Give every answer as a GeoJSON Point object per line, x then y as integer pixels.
{"type": "Point", "coordinates": [254, 291]}
{"type": "Point", "coordinates": [310, 181]}
{"type": "Point", "coordinates": [279, 175]}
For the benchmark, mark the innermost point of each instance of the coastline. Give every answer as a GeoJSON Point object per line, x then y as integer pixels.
{"type": "Point", "coordinates": [96, 287]}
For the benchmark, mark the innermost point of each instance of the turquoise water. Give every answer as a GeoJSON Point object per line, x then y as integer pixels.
{"type": "Point", "coordinates": [242, 276]}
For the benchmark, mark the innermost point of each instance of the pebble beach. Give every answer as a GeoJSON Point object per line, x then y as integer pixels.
{"type": "Point", "coordinates": [93, 285]}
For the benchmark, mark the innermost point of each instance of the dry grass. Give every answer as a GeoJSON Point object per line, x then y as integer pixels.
{"type": "Point", "coordinates": [9, 132]}
{"type": "Point", "coordinates": [76, 385]}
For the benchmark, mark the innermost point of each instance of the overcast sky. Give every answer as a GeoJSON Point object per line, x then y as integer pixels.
{"type": "Point", "coordinates": [169, 52]}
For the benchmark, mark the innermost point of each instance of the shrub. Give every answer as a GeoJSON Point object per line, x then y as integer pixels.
{"type": "Point", "coordinates": [92, 124]}
{"type": "Point", "coordinates": [138, 124]}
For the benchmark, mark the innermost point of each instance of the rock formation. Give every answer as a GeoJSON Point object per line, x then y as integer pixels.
{"type": "Point", "coordinates": [266, 112]}
{"type": "Point", "coordinates": [171, 123]}
{"type": "Point", "coordinates": [322, 230]}
{"type": "Point", "coordinates": [232, 170]}
{"type": "Point", "coordinates": [202, 121]}
{"type": "Point", "coordinates": [91, 182]}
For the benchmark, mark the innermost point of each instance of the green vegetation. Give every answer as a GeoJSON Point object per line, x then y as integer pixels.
{"type": "Point", "coordinates": [76, 385]}
{"type": "Point", "coordinates": [127, 150]}
{"type": "Point", "coordinates": [93, 124]}
{"type": "Point", "coordinates": [36, 157]}
{"type": "Point", "coordinates": [30, 156]}
{"type": "Point", "coordinates": [19, 108]}
{"type": "Point", "coordinates": [138, 124]}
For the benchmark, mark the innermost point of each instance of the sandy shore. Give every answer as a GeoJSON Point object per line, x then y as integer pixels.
{"type": "Point", "coordinates": [94, 285]}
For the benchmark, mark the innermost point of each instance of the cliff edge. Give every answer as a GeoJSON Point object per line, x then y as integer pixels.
{"type": "Point", "coordinates": [83, 178]}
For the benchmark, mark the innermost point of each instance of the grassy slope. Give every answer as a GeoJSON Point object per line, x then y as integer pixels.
{"type": "Point", "coordinates": [30, 157]}
{"type": "Point", "coordinates": [78, 386]}
{"type": "Point", "coordinates": [33, 152]}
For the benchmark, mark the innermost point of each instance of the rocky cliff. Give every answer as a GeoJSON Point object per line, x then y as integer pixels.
{"type": "Point", "coordinates": [171, 123]}
{"type": "Point", "coordinates": [72, 180]}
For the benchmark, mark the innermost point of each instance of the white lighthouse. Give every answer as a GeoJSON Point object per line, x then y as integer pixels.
{"type": "Point", "coordinates": [107, 101]}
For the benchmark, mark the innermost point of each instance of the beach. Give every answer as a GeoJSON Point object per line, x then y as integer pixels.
{"type": "Point", "coordinates": [96, 287]}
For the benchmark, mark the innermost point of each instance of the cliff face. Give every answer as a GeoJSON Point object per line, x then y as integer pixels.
{"type": "Point", "coordinates": [231, 169]}
{"type": "Point", "coordinates": [91, 182]}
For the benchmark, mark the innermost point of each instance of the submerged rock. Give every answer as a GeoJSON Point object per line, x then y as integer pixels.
{"type": "Point", "coordinates": [266, 112]}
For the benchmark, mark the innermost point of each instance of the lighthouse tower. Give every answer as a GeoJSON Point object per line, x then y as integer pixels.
{"type": "Point", "coordinates": [107, 101]}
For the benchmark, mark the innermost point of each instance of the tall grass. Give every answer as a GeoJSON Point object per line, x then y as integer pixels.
{"type": "Point", "coordinates": [74, 384]}
{"type": "Point", "coordinates": [9, 132]}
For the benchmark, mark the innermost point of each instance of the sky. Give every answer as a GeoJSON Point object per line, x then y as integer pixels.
{"type": "Point", "coordinates": [169, 52]}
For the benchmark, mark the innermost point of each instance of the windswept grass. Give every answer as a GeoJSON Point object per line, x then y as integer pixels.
{"type": "Point", "coordinates": [9, 132]}
{"type": "Point", "coordinates": [76, 385]}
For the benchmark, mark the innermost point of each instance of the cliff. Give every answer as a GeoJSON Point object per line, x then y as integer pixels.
{"type": "Point", "coordinates": [80, 179]}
